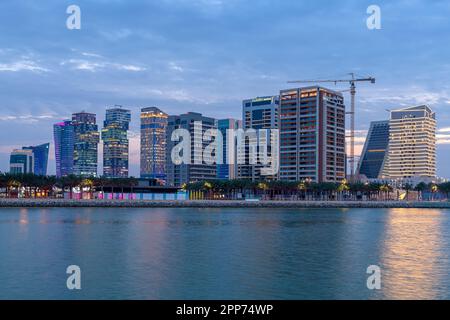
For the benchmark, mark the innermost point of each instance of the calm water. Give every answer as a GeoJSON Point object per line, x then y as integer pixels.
{"type": "Point", "coordinates": [224, 253]}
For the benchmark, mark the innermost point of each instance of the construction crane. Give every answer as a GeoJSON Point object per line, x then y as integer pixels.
{"type": "Point", "coordinates": [352, 90]}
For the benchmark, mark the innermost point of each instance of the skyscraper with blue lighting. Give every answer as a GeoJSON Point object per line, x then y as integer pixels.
{"type": "Point", "coordinates": [40, 158]}
{"type": "Point", "coordinates": [227, 170]}
{"type": "Point", "coordinates": [64, 143]}
{"type": "Point", "coordinates": [21, 162]}
{"type": "Point", "coordinates": [375, 150]}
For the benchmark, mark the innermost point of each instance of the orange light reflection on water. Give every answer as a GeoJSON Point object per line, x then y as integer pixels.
{"type": "Point", "coordinates": [412, 255]}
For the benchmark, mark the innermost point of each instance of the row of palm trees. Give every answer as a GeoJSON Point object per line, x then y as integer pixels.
{"type": "Point", "coordinates": [304, 190]}
{"type": "Point", "coordinates": [33, 186]}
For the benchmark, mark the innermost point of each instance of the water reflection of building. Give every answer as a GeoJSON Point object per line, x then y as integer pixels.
{"type": "Point", "coordinates": [413, 261]}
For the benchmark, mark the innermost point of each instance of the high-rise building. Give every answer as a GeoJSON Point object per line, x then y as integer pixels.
{"type": "Point", "coordinates": [227, 170]}
{"type": "Point", "coordinates": [86, 139]}
{"type": "Point", "coordinates": [198, 168]}
{"type": "Point", "coordinates": [40, 158]}
{"type": "Point", "coordinates": [153, 143]}
{"type": "Point", "coordinates": [21, 162]}
{"type": "Point", "coordinates": [375, 149]}
{"type": "Point", "coordinates": [312, 135]}
{"type": "Point", "coordinates": [116, 143]}
{"type": "Point", "coordinates": [412, 144]}
{"type": "Point", "coordinates": [64, 142]}
{"type": "Point", "coordinates": [259, 114]}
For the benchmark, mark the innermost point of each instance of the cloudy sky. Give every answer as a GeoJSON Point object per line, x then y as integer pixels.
{"type": "Point", "coordinates": [209, 55]}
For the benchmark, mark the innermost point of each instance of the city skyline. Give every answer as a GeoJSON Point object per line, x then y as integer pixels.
{"type": "Point", "coordinates": [110, 145]}
{"type": "Point", "coordinates": [402, 148]}
{"type": "Point", "coordinates": [212, 71]}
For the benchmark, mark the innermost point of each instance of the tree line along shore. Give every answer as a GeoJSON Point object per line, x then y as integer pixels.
{"type": "Point", "coordinates": [30, 186]}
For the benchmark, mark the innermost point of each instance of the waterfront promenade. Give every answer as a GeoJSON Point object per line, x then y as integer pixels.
{"type": "Point", "coordinates": [62, 203]}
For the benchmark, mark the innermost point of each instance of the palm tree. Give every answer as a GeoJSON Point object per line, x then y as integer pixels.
{"type": "Point", "coordinates": [421, 187]}
{"type": "Point", "coordinates": [49, 184]}
{"type": "Point", "coordinates": [100, 182]}
{"type": "Point", "coordinates": [86, 183]}
{"type": "Point", "coordinates": [408, 187]}
{"type": "Point", "coordinates": [445, 188]}
{"type": "Point", "coordinates": [385, 188]}
{"type": "Point", "coordinates": [343, 188]}
{"type": "Point", "coordinates": [133, 183]}
{"type": "Point", "coordinates": [302, 187]}
{"type": "Point", "coordinates": [13, 183]}
{"type": "Point", "coordinates": [434, 189]}
{"type": "Point", "coordinates": [329, 188]}
{"type": "Point", "coordinates": [71, 182]}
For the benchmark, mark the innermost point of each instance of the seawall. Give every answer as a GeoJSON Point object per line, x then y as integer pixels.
{"type": "Point", "coordinates": [60, 203]}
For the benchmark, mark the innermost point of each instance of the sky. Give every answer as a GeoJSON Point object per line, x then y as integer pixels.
{"type": "Point", "coordinates": [209, 55]}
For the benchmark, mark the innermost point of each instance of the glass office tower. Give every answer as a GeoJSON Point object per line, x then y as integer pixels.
{"type": "Point", "coordinates": [227, 170]}
{"type": "Point", "coordinates": [64, 143]}
{"type": "Point", "coordinates": [86, 139]}
{"type": "Point", "coordinates": [153, 143]}
{"type": "Point", "coordinates": [21, 162]}
{"type": "Point", "coordinates": [40, 158]}
{"type": "Point", "coordinates": [375, 149]}
{"type": "Point", "coordinates": [116, 143]}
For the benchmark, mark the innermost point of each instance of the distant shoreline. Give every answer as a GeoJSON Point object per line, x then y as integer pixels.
{"type": "Point", "coordinates": [53, 203]}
